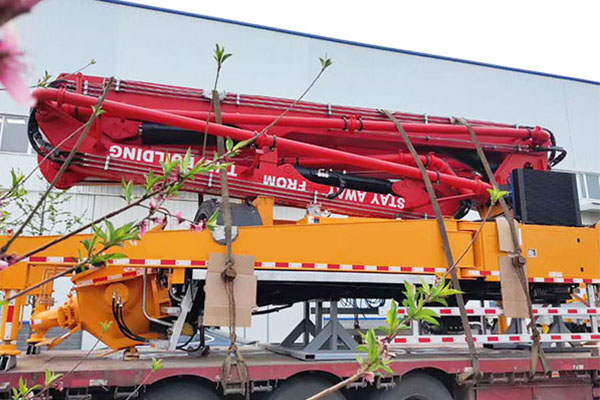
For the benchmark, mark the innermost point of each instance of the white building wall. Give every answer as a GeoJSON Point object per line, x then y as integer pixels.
{"type": "Point", "coordinates": [136, 43]}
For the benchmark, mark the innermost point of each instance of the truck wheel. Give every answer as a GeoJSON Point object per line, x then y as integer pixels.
{"type": "Point", "coordinates": [303, 387]}
{"type": "Point", "coordinates": [179, 390]}
{"type": "Point", "coordinates": [416, 387]}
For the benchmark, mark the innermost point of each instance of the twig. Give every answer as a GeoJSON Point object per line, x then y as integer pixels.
{"type": "Point", "coordinates": [337, 386]}
{"type": "Point", "coordinates": [314, 81]}
{"type": "Point", "coordinates": [62, 169]}
{"type": "Point", "coordinates": [139, 386]}
{"type": "Point", "coordinates": [471, 243]}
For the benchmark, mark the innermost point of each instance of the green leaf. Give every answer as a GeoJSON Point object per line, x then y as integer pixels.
{"type": "Point", "coordinates": [229, 144]}
{"type": "Point", "coordinates": [97, 110]}
{"type": "Point", "coordinates": [50, 377]}
{"type": "Point", "coordinates": [496, 194]}
{"type": "Point", "coordinates": [325, 62]}
{"type": "Point", "coordinates": [99, 232]}
{"type": "Point", "coordinates": [151, 181]}
{"type": "Point", "coordinates": [362, 348]}
{"type": "Point", "coordinates": [3, 302]}
{"type": "Point", "coordinates": [241, 145]}
{"type": "Point", "coordinates": [156, 364]}
{"type": "Point", "coordinates": [92, 61]}
{"type": "Point", "coordinates": [220, 55]}
{"type": "Point", "coordinates": [105, 326]}
{"type": "Point", "coordinates": [185, 163]}
{"type": "Point", "coordinates": [127, 190]}
{"type": "Point", "coordinates": [387, 369]}
{"type": "Point", "coordinates": [212, 221]}
{"type": "Point", "coordinates": [115, 256]}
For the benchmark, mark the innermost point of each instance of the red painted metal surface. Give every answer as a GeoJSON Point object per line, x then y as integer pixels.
{"type": "Point", "coordinates": [265, 366]}
{"type": "Point", "coordinates": [291, 161]}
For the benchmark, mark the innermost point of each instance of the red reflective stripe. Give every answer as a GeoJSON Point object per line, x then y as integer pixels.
{"type": "Point", "coordinates": [576, 337]}
{"type": "Point", "coordinates": [333, 266]}
{"type": "Point", "coordinates": [128, 274]}
{"type": "Point", "coordinates": [447, 340]}
{"type": "Point", "coordinates": [555, 337]}
{"type": "Point", "coordinates": [493, 339]}
{"type": "Point", "coordinates": [428, 269]}
{"type": "Point", "coordinates": [514, 338]}
{"type": "Point", "coordinates": [100, 279]}
{"type": "Point", "coordinates": [137, 261]}
{"type": "Point", "coordinates": [10, 313]}
{"type": "Point", "coordinates": [425, 340]}
{"type": "Point", "coordinates": [571, 311]}
{"type": "Point", "coordinates": [198, 262]}
{"type": "Point", "coordinates": [167, 262]}
{"type": "Point", "coordinates": [358, 267]}
{"type": "Point", "coordinates": [382, 268]}
{"type": "Point", "coordinates": [445, 311]}
{"type": "Point", "coordinates": [308, 265]}
{"type": "Point", "coordinates": [405, 269]}
{"type": "Point", "coordinates": [37, 259]}
{"type": "Point", "coordinates": [281, 265]}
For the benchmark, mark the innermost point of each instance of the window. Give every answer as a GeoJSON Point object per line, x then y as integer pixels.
{"type": "Point", "coordinates": [582, 191]}
{"type": "Point", "coordinates": [593, 186]}
{"type": "Point", "coordinates": [13, 134]}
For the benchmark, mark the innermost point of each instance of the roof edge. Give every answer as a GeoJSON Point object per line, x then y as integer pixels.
{"type": "Point", "coordinates": [349, 42]}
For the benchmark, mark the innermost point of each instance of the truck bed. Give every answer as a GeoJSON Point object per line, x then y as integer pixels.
{"type": "Point", "coordinates": [112, 371]}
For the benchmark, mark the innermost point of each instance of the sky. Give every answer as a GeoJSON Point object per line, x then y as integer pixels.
{"type": "Point", "coordinates": [557, 37]}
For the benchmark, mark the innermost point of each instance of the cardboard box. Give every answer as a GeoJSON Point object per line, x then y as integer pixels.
{"type": "Point", "coordinates": [514, 299]}
{"type": "Point", "coordinates": [216, 303]}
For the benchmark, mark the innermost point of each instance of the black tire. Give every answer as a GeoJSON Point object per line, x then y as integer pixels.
{"type": "Point", "coordinates": [175, 390]}
{"type": "Point", "coordinates": [416, 387]}
{"type": "Point", "coordinates": [302, 388]}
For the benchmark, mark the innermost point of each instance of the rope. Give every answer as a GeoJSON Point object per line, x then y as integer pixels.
{"type": "Point", "coordinates": [446, 243]}
{"type": "Point", "coordinates": [229, 274]}
{"type": "Point", "coordinates": [518, 260]}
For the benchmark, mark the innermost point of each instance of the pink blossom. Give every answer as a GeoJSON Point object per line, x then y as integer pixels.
{"type": "Point", "coordinates": [59, 386]}
{"type": "Point", "coordinates": [197, 227]}
{"type": "Point", "coordinates": [369, 376]}
{"type": "Point", "coordinates": [10, 9]}
{"type": "Point", "coordinates": [162, 222]}
{"type": "Point", "coordinates": [11, 68]}
{"type": "Point", "coordinates": [153, 205]}
{"type": "Point", "coordinates": [143, 228]}
{"type": "Point", "coordinates": [3, 265]}
{"type": "Point", "coordinates": [179, 217]}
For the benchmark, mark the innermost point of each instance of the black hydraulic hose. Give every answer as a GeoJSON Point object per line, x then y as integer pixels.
{"type": "Point", "coordinates": [181, 347]}
{"type": "Point", "coordinates": [118, 316]}
{"type": "Point", "coordinates": [122, 321]}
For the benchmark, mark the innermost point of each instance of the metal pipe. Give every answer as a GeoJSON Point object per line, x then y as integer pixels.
{"type": "Point", "coordinates": [148, 317]}
{"type": "Point", "coordinates": [264, 140]}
